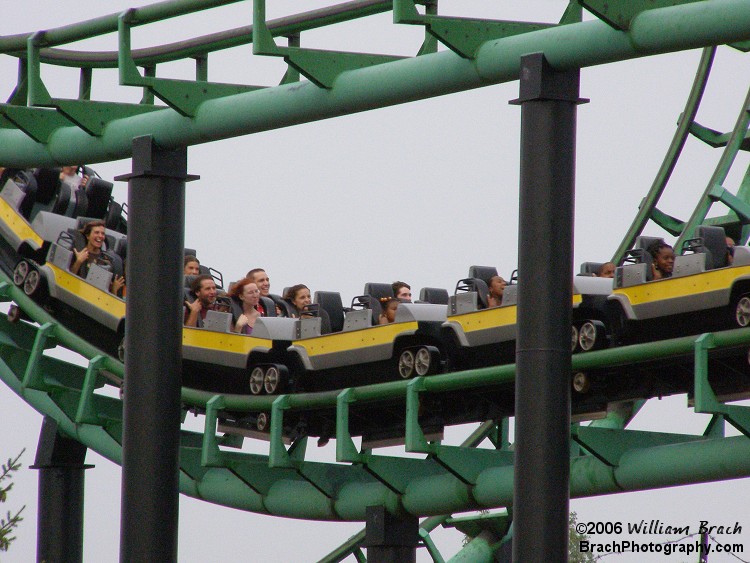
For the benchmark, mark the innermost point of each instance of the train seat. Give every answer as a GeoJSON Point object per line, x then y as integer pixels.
{"type": "Point", "coordinates": [378, 290]}
{"type": "Point", "coordinates": [471, 294]}
{"type": "Point", "coordinates": [98, 193]}
{"type": "Point", "coordinates": [330, 302]}
{"type": "Point", "coordinates": [632, 274]}
{"type": "Point", "coordinates": [435, 295]}
{"type": "Point", "coordinates": [218, 321]}
{"type": "Point", "coordinates": [510, 295]}
{"type": "Point", "coordinates": [483, 273]}
{"type": "Point", "coordinates": [365, 312]}
{"type": "Point", "coordinates": [590, 268]}
{"type": "Point", "coordinates": [687, 264]}
{"type": "Point", "coordinates": [714, 244]}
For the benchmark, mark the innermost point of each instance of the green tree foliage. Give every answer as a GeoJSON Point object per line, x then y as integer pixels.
{"type": "Point", "coordinates": [574, 541]}
{"type": "Point", "coordinates": [11, 521]}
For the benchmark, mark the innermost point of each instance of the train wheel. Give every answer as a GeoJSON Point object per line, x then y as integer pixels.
{"type": "Point", "coordinates": [256, 381]}
{"type": "Point", "coordinates": [261, 423]}
{"type": "Point", "coordinates": [272, 380]}
{"type": "Point", "coordinates": [590, 335]}
{"type": "Point", "coordinates": [581, 382]}
{"type": "Point", "coordinates": [406, 364]}
{"type": "Point", "coordinates": [20, 272]}
{"type": "Point", "coordinates": [426, 360]}
{"type": "Point", "coordinates": [14, 314]}
{"type": "Point", "coordinates": [32, 283]}
{"type": "Point", "coordinates": [742, 311]}
{"type": "Point", "coordinates": [573, 338]}
{"type": "Point", "coordinates": [121, 350]}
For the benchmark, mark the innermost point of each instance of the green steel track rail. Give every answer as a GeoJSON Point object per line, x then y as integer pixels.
{"type": "Point", "coordinates": [284, 483]}
{"type": "Point", "coordinates": [40, 130]}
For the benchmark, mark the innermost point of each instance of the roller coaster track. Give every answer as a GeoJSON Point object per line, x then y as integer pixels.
{"type": "Point", "coordinates": [284, 483]}
{"type": "Point", "coordinates": [38, 129]}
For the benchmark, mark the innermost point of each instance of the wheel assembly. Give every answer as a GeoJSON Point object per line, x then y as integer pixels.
{"type": "Point", "coordinates": [121, 350]}
{"type": "Point", "coordinates": [406, 364]}
{"type": "Point", "coordinates": [574, 338]}
{"type": "Point", "coordinates": [261, 422]}
{"type": "Point", "coordinates": [426, 360]}
{"type": "Point", "coordinates": [742, 311]}
{"type": "Point", "coordinates": [581, 382]}
{"type": "Point", "coordinates": [14, 314]}
{"type": "Point", "coordinates": [590, 335]}
{"type": "Point", "coordinates": [32, 283]}
{"type": "Point", "coordinates": [256, 381]}
{"type": "Point", "coordinates": [271, 380]}
{"type": "Point", "coordinates": [20, 272]}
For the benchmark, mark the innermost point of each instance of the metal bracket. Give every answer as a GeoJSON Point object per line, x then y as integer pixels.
{"type": "Point", "coordinates": [86, 413]}
{"type": "Point", "coordinates": [319, 66]}
{"type": "Point", "coordinates": [183, 96]}
{"type": "Point", "coordinates": [705, 398]}
{"type": "Point", "coordinates": [741, 208]}
{"type": "Point", "coordinates": [609, 444]}
{"type": "Point", "coordinates": [45, 338]}
{"type": "Point", "coordinates": [211, 455]}
{"type": "Point", "coordinates": [346, 451]}
{"type": "Point", "coordinates": [670, 224]}
{"type": "Point", "coordinates": [619, 14]}
{"type": "Point", "coordinates": [93, 116]}
{"type": "Point", "coordinates": [37, 123]}
{"type": "Point", "coordinates": [463, 36]}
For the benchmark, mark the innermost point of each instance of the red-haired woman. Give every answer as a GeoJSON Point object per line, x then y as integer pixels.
{"type": "Point", "coordinates": [248, 295]}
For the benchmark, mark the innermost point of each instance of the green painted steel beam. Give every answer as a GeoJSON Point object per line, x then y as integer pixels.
{"type": "Point", "coordinates": [281, 27]}
{"type": "Point", "coordinates": [647, 210]}
{"type": "Point", "coordinates": [569, 46]}
{"type": "Point", "coordinates": [719, 176]}
{"type": "Point", "coordinates": [620, 13]}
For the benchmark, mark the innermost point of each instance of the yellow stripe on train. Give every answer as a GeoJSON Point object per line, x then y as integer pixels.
{"type": "Point", "coordinates": [18, 224]}
{"type": "Point", "coordinates": [224, 341]}
{"type": "Point", "coordinates": [104, 300]}
{"type": "Point", "coordinates": [493, 317]}
{"type": "Point", "coordinates": [355, 339]}
{"type": "Point", "coordinates": [712, 280]}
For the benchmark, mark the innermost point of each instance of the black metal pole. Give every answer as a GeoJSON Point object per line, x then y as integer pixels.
{"type": "Point", "coordinates": [548, 102]}
{"type": "Point", "coordinates": [153, 353]}
{"type": "Point", "coordinates": [390, 538]}
{"type": "Point", "coordinates": [60, 461]}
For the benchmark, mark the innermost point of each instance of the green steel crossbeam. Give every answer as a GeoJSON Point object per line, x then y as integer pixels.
{"type": "Point", "coordinates": [567, 46]}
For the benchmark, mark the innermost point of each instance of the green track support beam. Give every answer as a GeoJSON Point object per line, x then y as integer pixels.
{"type": "Point", "coordinates": [609, 445]}
{"type": "Point", "coordinates": [33, 377]}
{"type": "Point", "coordinates": [575, 45]}
{"type": "Point", "coordinates": [320, 67]}
{"type": "Point", "coordinates": [463, 36]}
{"type": "Point", "coordinates": [720, 174]}
{"type": "Point", "coordinates": [647, 209]}
{"type": "Point", "coordinates": [620, 13]}
{"type": "Point", "coordinates": [705, 398]}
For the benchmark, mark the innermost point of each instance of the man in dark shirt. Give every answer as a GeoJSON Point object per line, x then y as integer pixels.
{"type": "Point", "coordinates": [204, 289]}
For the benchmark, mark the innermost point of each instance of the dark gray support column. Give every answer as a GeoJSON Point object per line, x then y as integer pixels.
{"type": "Point", "coordinates": [60, 461]}
{"type": "Point", "coordinates": [548, 102]}
{"type": "Point", "coordinates": [153, 353]}
{"type": "Point", "coordinates": [389, 538]}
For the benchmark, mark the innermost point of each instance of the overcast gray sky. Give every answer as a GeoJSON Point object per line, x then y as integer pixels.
{"type": "Point", "coordinates": [417, 192]}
